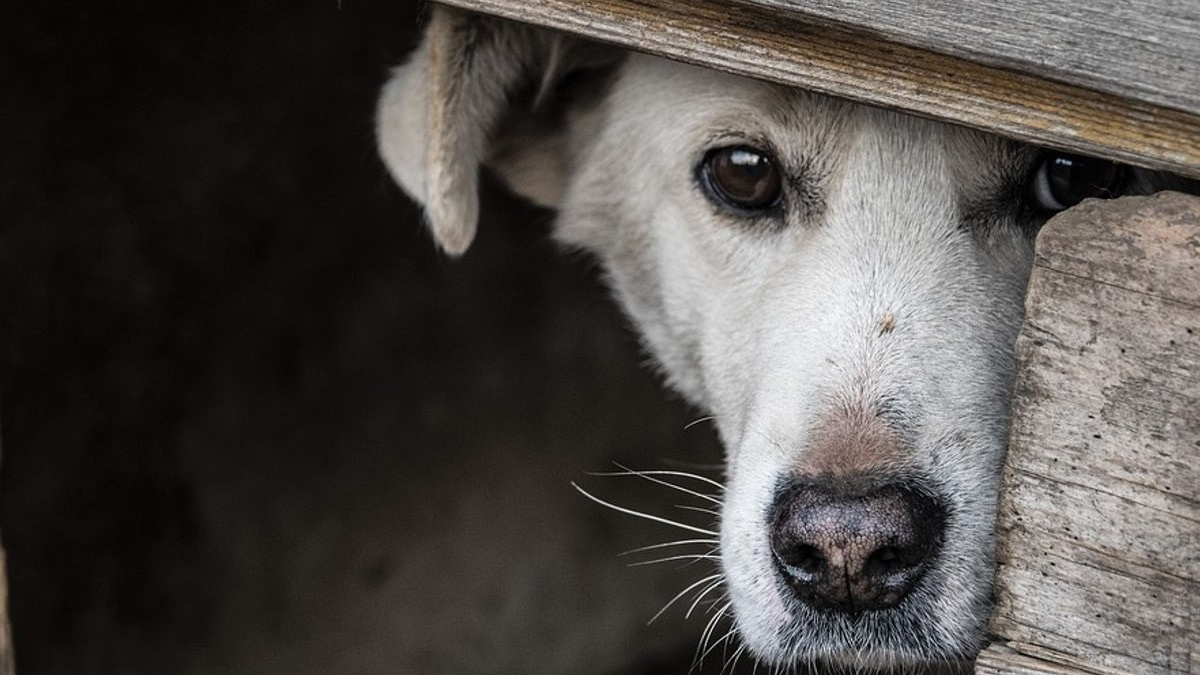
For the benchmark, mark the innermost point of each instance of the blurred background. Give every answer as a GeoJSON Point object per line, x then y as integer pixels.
{"type": "Point", "coordinates": [252, 421]}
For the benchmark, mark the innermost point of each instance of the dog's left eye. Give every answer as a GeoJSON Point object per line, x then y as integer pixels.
{"type": "Point", "coordinates": [742, 177]}
{"type": "Point", "coordinates": [1063, 180]}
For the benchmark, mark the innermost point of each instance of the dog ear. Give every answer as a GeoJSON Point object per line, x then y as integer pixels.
{"type": "Point", "coordinates": [476, 92]}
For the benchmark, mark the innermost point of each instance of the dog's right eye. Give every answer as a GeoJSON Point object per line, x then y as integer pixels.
{"type": "Point", "coordinates": [743, 178]}
{"type": "Point", "coordinates": [1063, 180]}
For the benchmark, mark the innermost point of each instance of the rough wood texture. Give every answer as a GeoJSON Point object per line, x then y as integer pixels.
{"type": "Point", "coordinates": [1000, 659]}
{"type": "Point", "coordinates": [1099, 532]}
{"type": "Point", "coordinates": [1144, 49]}
{"type": "Point", "coordinates": [750, 39]}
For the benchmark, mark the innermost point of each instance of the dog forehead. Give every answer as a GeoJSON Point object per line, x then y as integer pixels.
{"type": "Point", "coordinates": [656, 84]}
{"type": "Point", "coordinates": [682, 99]}
{"type": "Point", "coordinates": [676, 105]}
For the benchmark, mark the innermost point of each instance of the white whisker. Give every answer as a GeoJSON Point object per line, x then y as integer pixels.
{"type": "Point", "coordinates": [682, 593]}
{"type": "Point", "coordinates": [694, 466]}
{"type": "Point", "coordinates": [639, 514]}
{"type": "Point", "coordinates": [731, 663]}
{"type": "Point", "coordinates": [675, 473]}
{"type": "Point", "coordinates": [700, 596]}
{"type": "Point", "coordinates": [706, 635]}
{"type": "Point", "coordinates": [652, 477]}
{"type": "Point", "coordinates": [693, 557]}
{"type": "Point", "coordinates": [697, 509]}
{"type": "Point", "coordinates": [681, 542]}
{"type": "Point", "coordinates": [722, 608]}
{"type": "Point", "coordinates": [724, 639]}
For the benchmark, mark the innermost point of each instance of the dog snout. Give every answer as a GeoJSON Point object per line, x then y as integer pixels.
{"type": "Point", "coordinates": [857, 550]}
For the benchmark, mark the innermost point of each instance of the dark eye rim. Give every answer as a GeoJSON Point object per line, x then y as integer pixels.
{"type": "Point", "coordinates": [1117, 186]}
{"type": "Point", "coordinates": [717, 196]}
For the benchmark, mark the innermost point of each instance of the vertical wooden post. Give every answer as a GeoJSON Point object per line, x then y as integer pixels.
{"type": "Point", "coordinates": [1099, 530]}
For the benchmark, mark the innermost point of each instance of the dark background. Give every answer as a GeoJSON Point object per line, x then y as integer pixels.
{"type": "Point", "coordinates": [252, 421]}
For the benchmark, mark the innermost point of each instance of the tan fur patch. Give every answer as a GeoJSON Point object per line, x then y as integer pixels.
{"type": "Point", "coordinates": [852, 442]}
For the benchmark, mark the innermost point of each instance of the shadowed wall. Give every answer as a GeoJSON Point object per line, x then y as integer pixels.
{"type": "Point", "coordinates": [252, 422]}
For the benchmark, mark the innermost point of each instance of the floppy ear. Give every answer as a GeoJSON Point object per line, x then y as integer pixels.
{"type": "Point", "coordinates": [451, 108]}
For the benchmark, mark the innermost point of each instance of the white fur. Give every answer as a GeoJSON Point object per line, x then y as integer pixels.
{"type": "Point", "coordinates": [766, 329]}
{"type": "Point", "coordinates": [885, 287]}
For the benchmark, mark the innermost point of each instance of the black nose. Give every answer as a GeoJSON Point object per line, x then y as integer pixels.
{"type": "Point", "coordinates": [856, 550]}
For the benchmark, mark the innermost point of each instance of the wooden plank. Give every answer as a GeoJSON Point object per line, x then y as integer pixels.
{"type": "Point", "coordinates": [1098, 560]}
{"type": "Point", "coordinates": [751, 40]}
{"type": "Point", "coordinates": [1143, 49]}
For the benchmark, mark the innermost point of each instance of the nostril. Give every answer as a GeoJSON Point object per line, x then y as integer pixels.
{"type": "Point", "coordinates": [802, 560]}
{"type": "Point", "coordinates": [891, 560]}
{"type": "Point", "coordinates": [884, 560]}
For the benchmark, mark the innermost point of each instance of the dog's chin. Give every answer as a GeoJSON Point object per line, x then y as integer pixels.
{"type": "Point", "coordinates": [910, 637]}
{"type": "Point", "coordinates": [859, 645]}
{"type": "Point", "coordinates": [881, 663]}
{"type": "Point", "coordinates": [886, 663]}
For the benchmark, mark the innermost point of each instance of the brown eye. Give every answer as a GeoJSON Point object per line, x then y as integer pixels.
{"type": "Point", "coordinates": [1063, 180]}
{"type": "Point", "coordinates": [742, 177]}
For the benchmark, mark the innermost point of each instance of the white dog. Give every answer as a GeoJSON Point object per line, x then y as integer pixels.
{"type": "Point", "coordinates": [839, 286]}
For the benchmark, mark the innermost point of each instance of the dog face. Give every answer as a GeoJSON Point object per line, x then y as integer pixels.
{"type": "Point", "coordinates": [839, 286]}
{"type": "Point", "coordinates": [850, 331]}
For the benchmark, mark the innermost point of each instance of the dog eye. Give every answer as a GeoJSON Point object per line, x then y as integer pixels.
{"type": "Point", "coordinates": [742, 177]}
{"type": "Point", "coordinates": [1063, 180]}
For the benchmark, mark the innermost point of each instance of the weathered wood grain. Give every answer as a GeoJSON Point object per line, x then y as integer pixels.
{"type": "Point", "coordinates": [1141, 49]}
{"type": "Point", "coordinates": [1000, 659]}
{"type": "Point", "coordinates": [749, 39]}
{"type": "Point", "coordinates": [1099, 530]}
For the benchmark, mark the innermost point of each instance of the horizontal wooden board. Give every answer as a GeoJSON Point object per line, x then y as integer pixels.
{"type": "Point", "coordinates": [784, 47]}
{"type": "Point", "coordinates": [1141, 49]}
{"type": "Point", "coordinates": [1098, 558]}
